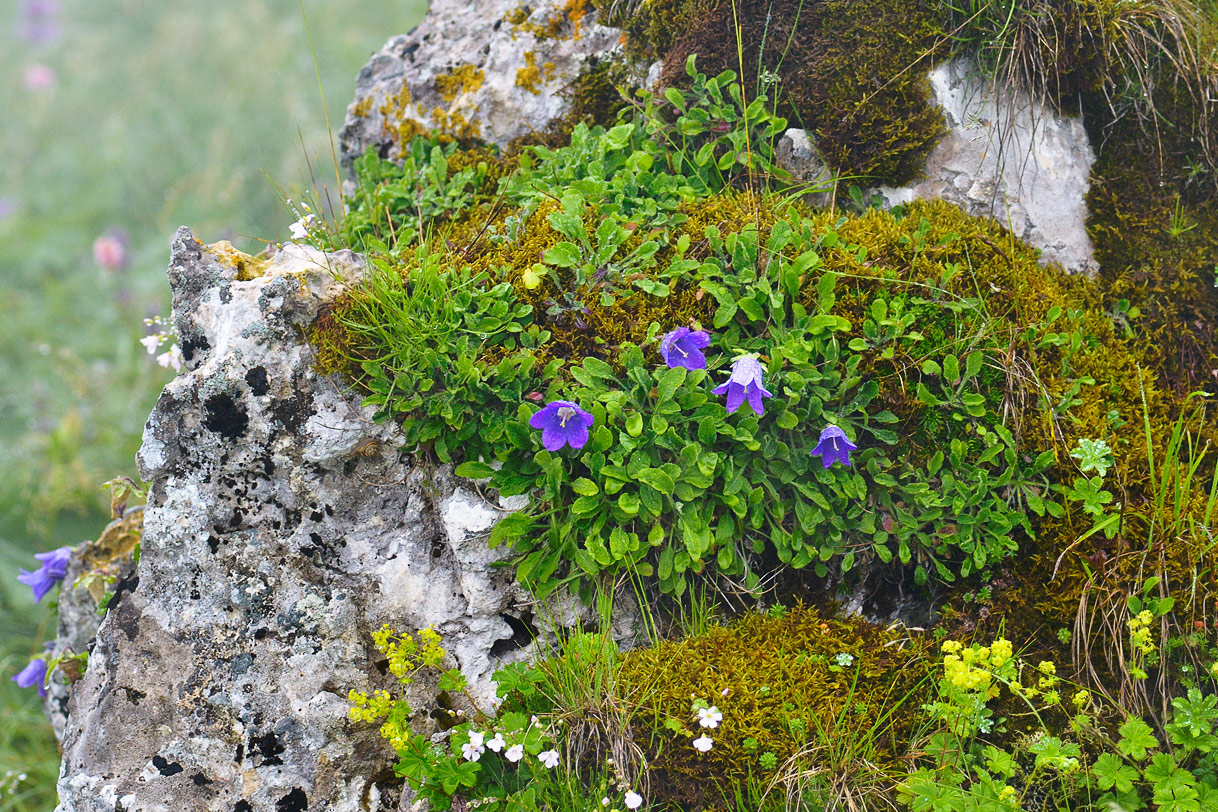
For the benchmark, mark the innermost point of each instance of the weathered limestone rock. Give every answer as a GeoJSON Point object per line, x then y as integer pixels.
{"type": "Point", "coordinates": [797, 154]}
{"type": "Point", "coordinates": [1013, 158]}
{"type": "Point", "coordinates": [283, 526]}
{"type": "Point", "coordinates": [492, 70]}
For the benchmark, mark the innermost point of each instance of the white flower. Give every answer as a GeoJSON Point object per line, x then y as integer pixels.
{"type": "Point", "coordinates": [496, 742]}
{"type": "Point", "coordinates": [633, 799]}
{"type": "Point", "coordinates": [471, 751]}
{"type": "Point", "coordinates": [605, 801]}
{"type": "Point", "coordinates": [152, 342]}
{"type": "Point", "coordinates": [549, 758]}
{"type": "Point", "coordinates": [476, 738]}
{"type": "Point", "coordinates": [709, 717]}
{"type": "Point", "coordinates": [703, 743]}
{"type": "Point", "coordinates": [300, 229]}
{"type": "Point", "coordinates": [515, 752]}
{"type": "Point", "coordinates": [173, 358]}
{"type": "Point", "coordinates": [725, 692]}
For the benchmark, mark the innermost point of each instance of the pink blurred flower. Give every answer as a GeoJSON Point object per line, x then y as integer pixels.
{"type": "Point", "coordinates": [39, 77]}
{"type": "Point", "coordinates": [110, 250]}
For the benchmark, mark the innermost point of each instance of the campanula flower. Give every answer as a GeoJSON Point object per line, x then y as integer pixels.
{"type": "Point", "coordinates": [33, 674]}
{"type": "Point", "coordinates": [744, 383]}
{"type": "Point", "coordinates": [683, 347]}
{"type": "Point", "coordinates": [562, 423]}
{"type": "Point", "coordinates": [54, 568]}
{"type": "Point", "coordinates": [834, 446]}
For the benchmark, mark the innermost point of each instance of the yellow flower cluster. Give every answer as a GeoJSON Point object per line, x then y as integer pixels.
{"type": "Point", "coordinates": [1139, 631]}
{"type": "Point", "coordinates": [1007, 793]}
{"type": "Point", "coordinates": [405, 654]}
{"type": "Point", "coordinates": [368, 709]}
{"type": "Point", "coordinates": [972, 669]}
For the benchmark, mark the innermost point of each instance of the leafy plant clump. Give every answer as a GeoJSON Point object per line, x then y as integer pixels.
{"type": "Point", "coordinates": [589, 255]}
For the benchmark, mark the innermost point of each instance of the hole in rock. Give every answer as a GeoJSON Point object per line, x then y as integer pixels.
{"type": "Point", "coordinates": [166, 767]}
{"type": "Point", "coordinates": [294, 801]}
{"type": "Point", "coordinates": [523, 633]}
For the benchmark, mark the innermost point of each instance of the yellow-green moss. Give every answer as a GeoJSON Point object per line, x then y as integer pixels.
{"type": "Point", "coordinates": [778, 683]}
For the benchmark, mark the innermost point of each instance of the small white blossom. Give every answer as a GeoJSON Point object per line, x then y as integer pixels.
{"type": "Point", "coordinates": [152, 342]}
{"type": "Point", "coordinates": [173, 358]}
{"type": "Point", "coordinates": [633, 799]}
{"type": "Point", "coordinates": [703, 743]}
{"type": "Point", "coordinates": [605, 801]}
{"type": "Point", "coordinates": [496, 742]}
{"type": "Point", "coordinates": [549, 758]}
{"type": "Point", "coordinates": [514, 753]}
{"type": "Point", "coordinates": [709, 717]}
{"type": "Point", "coordinates": [477, 738]}
{"type": "Point", "coordinates": [300, 229]}
{"type": "Point", "coordinates": [471, 752]}
{"type": "Point", "coordinates": [725, 692]}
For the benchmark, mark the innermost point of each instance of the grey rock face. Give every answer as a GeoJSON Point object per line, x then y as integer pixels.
{"type": "Point", "coordinates": [492, 70]}
{"type": "Point", "coordinates": [283, 526]}
{"type": "Point", "coordinates": [797, 154]}
{"type": "Point", "coordinates": [1010, 157]}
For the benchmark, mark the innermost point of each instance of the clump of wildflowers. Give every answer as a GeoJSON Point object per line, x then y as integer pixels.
{"type": "Point", "coordinates": [152, 342]}
{"type": "Point", "coordinates": [54, 568]}
{"type": "Point", "coordinates": [744, 383]}
{"type": "Point", "coordinates": [562, 423]}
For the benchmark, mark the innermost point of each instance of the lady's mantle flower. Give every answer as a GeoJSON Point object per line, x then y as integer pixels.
{"type": "Point", "coordinates": [496, 743]}
{"type": "Point", "coordinates": [633, 799]}
{"type": "Point", "coordinates": [472, 750]}
{"type": "Point", "coordinates": [514, 753]}
{"type": "Point", "coordinates": [33, 674]}
{"type": "Point", "coordinates": [683, 347]}
{"type": "Point", "coordinates": [54, 568]}
{"type": "Point", "coordinates": [562, 423]}
{"type": "Point", "coordinates": [549, 758]}
{"type": "Point", "coordinates": [703, 743]}
{"type": "Point", "coordinates": [834, 446]}
{"type": "Point", "coordinates": [710, 717]}
{"type": "Point", "coordinates": [744, 383]}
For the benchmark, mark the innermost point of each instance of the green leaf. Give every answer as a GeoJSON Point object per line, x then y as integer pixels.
{"type": "Point", "coordinates": [670, 381]}
{"type": "Point", "coordinates": [585, 487]}
{"type": "Point", "coordinates": [564, 255]}
{"type": "Point", "coordinates": [951, 369]}
{"type": "Point", "coordinates": [657, 479]}
{"type": "Point", "coordinates": [634, 424]}
{"type": "Point", "coordinates": [1136, 738]}
{"type": "Point", "coordinates": [474, 470]}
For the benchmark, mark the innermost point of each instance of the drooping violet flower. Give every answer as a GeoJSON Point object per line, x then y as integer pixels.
{"type": "Point", "coordinates": [683, 347]}
{"type": "Point", "coordinates": [744, 384]}
{"type": "Point", "coordinates": [54, 568]}
{"type": "Point", "coordinates": [39, 23]}
{"type": "Point", "coordinates": [562, 423]}
{"type": "Point", "coordinates": [834, 446]}
{"type": "Point", "coordinates": [33, 674]}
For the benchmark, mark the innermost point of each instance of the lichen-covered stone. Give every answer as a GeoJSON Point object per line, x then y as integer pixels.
{"type": "Point", "coordinates": [283, 526]}
{"type": "Point", "coordinates": [493, 71]}
{"type": "Point", "coordinates": [1013, 158]}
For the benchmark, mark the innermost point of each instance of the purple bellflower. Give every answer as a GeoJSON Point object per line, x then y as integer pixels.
{"type": "Point", "coordinates": [33, 674]}
{"type": "Point", "coordinates": [54, 568]}
{"type": "Point", "coordinates": [834, 446]}
{"type": "Point", "coordinates": [562, 423]}
{"type": "Point", "coordinates": [744, 384]}
{"type": "Point", "coordinates": [683, 347]}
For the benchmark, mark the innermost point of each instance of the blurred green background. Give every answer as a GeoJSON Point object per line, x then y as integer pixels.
{"type": "Point", "coordinates": [129, 118]}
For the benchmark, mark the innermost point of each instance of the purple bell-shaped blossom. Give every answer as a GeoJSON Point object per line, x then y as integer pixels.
{"type": "Point", "coordinates": [683, 347]}
{"type": "Point", "coordinates": [33, 674]}
{"type": "Point", "coordinates": [834, 446]}
{"type": "Point", "coordinates": [562, 423]}
{"type": "Point", "coordinates": [744, 384]}
{"type": "Point", "coordinates": [54, 568]}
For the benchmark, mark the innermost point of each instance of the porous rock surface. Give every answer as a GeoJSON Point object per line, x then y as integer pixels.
{"type": "Point", "coordinates": [1013, 158]}
{"type": "Point", "coordinates": [492, 70]}
{"type": "Point", "coordinates": [283, 526]}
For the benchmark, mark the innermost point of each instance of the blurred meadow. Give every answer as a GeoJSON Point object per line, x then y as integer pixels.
{"type": "Point", "coordinates": [123, 119]}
